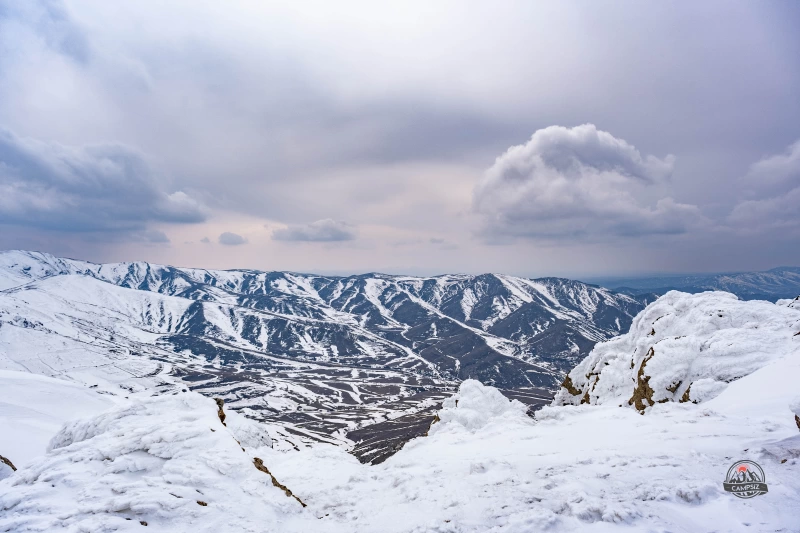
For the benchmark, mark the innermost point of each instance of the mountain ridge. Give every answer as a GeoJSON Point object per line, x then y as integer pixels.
{"type": "Point", "coordinates": [773, 284]}
{"type": "Point", "coordinates": [319, 357]}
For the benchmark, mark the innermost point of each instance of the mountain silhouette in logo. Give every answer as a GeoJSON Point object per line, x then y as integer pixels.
{"type": "Point", "coordinates": [745, 475]}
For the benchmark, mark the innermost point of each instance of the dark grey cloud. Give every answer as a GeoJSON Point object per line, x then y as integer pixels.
{"type": "Point", "coordinates": [101, 187]}
{"type": "Point", "coordinates": [577, 182]}
{"type": "Point", "coordinates": [325, 230]}
{"type": "Point", "coordinates": [231, 239]}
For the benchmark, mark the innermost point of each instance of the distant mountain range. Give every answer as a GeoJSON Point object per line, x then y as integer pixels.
{"type": "Point", "coordinates": [772, 285]}
{"type": "Point", "coordinates": [320, 356]}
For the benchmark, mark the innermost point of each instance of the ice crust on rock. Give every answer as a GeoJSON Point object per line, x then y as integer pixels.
{"type": "Point", "coordinates": [683, 347]}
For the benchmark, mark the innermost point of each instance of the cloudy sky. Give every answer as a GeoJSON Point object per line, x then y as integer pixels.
{"type": "Point", "coordinates": [561, 138]}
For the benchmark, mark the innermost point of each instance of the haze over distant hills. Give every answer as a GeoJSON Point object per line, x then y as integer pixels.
{"type": "Point", "coordinates": [772, 285]}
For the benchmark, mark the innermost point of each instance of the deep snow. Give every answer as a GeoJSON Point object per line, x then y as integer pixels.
{"type": "Point", "coordinates": [484, 466]}
{"type": "Point", "coordinates": [34, 407]}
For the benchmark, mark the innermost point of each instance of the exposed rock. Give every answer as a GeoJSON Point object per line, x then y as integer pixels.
{"type": "Point", "coordinates": [8, 462]}
{"type": "Point", "coordinates": [259, 464]}
{"type": "Point", "coordinates": [685, 398]}
{"type": "Point", "coordinates": [568, 385]}
{"type": "Point", "coordinates": [220, 412]}
{"type": "Point", "coordinates": [643, 391]}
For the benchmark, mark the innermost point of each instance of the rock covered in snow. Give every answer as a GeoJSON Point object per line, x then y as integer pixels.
{"type": "Point", "coordinates": [790, 302]}
{"type": "Point", "coordinates": [475, 405]}
{"type": "Point", "coordinates": [681, 348]}
{"type": "Point", "coordinates": [167, 461]}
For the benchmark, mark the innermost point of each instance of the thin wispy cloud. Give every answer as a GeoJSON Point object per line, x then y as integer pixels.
{"type": "Point", "coordinates": [325, 230]}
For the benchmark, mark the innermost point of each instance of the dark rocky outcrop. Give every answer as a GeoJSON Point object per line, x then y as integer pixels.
{"type": "Point", "coordinates": [259, 464]}
{"type": "Point", "coordinates": [220, 412]}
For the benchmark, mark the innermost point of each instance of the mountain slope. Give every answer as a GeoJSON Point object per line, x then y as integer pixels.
{"type": "Point", "coordinates": [321, 356]}
{"type": "Point", "coordinates": [464, 325]}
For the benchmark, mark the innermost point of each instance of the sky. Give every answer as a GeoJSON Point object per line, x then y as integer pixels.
{"type": "Point", "coordinates": [530, 138]}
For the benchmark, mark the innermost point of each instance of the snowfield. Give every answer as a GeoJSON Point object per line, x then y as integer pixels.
{"type": "Point", "coordinates": [485, 465]}
{"type": "Point", "coordinates": [33, 408]}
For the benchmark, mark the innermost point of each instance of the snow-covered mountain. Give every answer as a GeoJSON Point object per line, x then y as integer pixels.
{"type": "Point", "coordinates": [172, 463]}
{"type": "Point", "coordinates": [772, 285]}
{"type": "Point", "coordinates": [321, 355]}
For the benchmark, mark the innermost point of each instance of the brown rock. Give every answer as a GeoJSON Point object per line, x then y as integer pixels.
{"type": "Point", "coordinates": [220, 412]}
{"type": "Point", "coordinates": [567, 384]}
{"type": "Point", "coordinates": [8, 462]}
{"type": "Point", "coordinates": [685, 398]}
{"type": "Point", "coordinates": [643, 393]}
{"type": "Point", "coordinates": [259, 464]}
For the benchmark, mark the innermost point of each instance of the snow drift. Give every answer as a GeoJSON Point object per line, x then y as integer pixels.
{"type": "Point", "coordinates": [475, 406]}
{"type": "Point", "coordinates": [34, 407]}
{"type": "Point", "coordinates": [167, 462]}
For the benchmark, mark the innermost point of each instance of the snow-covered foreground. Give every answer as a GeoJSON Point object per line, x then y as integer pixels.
{"type": "Point", "coordinates": [485, 466]}
{"type": "Point", "coordinates": [34, 407]}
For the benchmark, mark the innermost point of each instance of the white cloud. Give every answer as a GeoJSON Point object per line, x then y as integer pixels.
{"type": "Point", "coordinates": [325, 230]}
{"type": "Point", "coordinates": [576, 182]}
